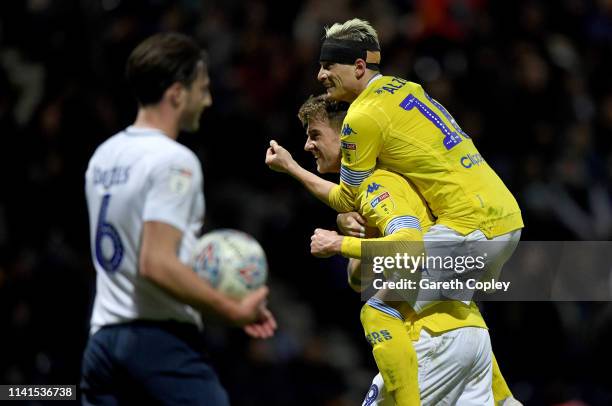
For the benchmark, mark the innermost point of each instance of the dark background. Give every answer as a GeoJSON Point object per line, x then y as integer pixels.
{"type": "Point", "coordinates": [529, 81]}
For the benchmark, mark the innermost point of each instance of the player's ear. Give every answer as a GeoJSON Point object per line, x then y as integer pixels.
{"type": "Point", "coordinates": [360, 68]}
{"type": "Point", "coordinates": [176, 94]}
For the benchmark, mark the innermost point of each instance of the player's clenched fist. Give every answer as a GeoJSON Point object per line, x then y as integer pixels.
{"type": "Point", "coordinates": [278, 158]}
{"type": "Point", "coordinates": [325, 243]}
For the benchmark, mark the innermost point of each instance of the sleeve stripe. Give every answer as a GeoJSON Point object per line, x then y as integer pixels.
{"type": "Point", "coordinates": [383, 307]}
{"type": "Point", "coordinates": [402, 222]}
{"type": "Point", "coordinates": [353, 178]}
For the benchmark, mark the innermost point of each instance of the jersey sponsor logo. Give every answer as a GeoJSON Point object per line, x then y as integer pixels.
{"type": "Point", "coordinates": [117, 175]}
{"type": "Point", "coordinates": [378, 336]}
{"type": "Point", "coordinates": [383, 205]}
{"type": "Point", "coordinates": [347, 130]}
{"type": "Point", "coordinates": [373, 187]}
{"type": "Point", "coordinates": [348, 145]}
{"type": "Point", "coordinates": [349, 151]}
{"type": "Point", "coordinates": [469, 160]}
{"type": "Point", "coordinates": [180, 180]}
{"type": "Point", "coordinates": [379, 198]}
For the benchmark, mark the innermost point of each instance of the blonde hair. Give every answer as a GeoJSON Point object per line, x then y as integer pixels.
{"type": "Point", "coordinates": [355, 30]}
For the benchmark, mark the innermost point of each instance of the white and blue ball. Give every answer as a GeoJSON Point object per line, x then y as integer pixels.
{"type": "Point", "coordinates": [232, 261]}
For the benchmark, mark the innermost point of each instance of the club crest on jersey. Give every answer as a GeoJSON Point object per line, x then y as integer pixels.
{"type": "Point", "coordinates": [347, 130]}
{"type": "Point", "coordinates": [180, 180]}
{"type": "Point", "coordinates": [349, 151]}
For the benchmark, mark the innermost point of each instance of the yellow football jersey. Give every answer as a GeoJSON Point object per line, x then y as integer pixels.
{"type": "Point", "coordinates": [390, 203]}
{"type": "Point", "coordinates": [393, 124]}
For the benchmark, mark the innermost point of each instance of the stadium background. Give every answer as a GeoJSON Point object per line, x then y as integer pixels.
{"type": "Point", "coordinates": [529, 81]}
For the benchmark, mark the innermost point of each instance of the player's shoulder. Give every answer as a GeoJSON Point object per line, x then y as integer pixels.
{"type": "Point", "coordinates": [380, 180]}
{"type": "Point", "coordinates": [384, 175]}
{"type": "Point", "coordinates": [385, 87]}
{"type": "Point", "coordinates": [108, 147]}
{"type": "Point", "coordinates": [151, 147]}
{"type": "Point", "coordinates": [174, 150]}
{"type": "Point", "coordinates": [385, 181]}
{"type": "Point", "coordinates": [365, 116]}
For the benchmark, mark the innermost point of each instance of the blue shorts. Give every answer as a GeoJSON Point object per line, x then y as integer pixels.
{"type": "Point", "coordinates": [147, 363]}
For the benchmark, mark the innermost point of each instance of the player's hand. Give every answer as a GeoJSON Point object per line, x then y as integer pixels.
{"type": "Point", "coordinates": [325, 243]}
{"type": "Point", "coordinates": [250, 308]}
{"type": "Point", "coordinates": [264, 327]}
{"type": "Point", "coordinates": [351, 224]}
{"type": "Point", "coordinates": [278, 158]}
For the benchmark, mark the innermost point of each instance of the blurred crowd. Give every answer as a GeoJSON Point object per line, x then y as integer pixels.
{"type": "Point", "coordinates": [529, 81]}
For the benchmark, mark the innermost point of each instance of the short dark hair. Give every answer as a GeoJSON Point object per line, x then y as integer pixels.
{"type": "Point", "coordinates": [158, 62]}
{"type": "Point", "coordinates": [321, 108]}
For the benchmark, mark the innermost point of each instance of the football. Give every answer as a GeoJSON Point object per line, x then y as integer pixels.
{"type": "Point", "coordinates": [232, 261]}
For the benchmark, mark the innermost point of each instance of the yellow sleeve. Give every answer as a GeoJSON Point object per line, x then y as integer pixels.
{"type": "Point", "coordinates": [361, 141]}
{"type": "Point", "coordinates": [384, 202]}
{"type": "Point", "coordinates": [341, 198]}
{"type": "Point", "coordinates": [351, 246]}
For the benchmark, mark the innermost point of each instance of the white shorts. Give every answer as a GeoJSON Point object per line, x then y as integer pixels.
{"type": "Point", "coordinates": [455, 368]}
{"type": "Point", "coordinates": [441, 241]}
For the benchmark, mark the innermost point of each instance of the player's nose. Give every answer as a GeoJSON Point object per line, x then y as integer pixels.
{"type": "Point", "coordinates": [322, 75]}
{"type": "Point", "coordinates": [309, 145]}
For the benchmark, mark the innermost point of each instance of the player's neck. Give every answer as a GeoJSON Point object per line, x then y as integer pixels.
{"type": "Point", "coordinates": [366, 80]}
{"type": "Point", "coordinates": [159, 118]}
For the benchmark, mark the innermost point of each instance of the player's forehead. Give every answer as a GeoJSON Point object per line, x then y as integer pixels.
{"type": "Point", "coordinates": [317, 125]}
{"type": "Point", "coordinates": [334, 66]}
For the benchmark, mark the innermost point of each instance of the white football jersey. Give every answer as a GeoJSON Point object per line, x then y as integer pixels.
{"type": "Point", "coordinates": [135, 176]}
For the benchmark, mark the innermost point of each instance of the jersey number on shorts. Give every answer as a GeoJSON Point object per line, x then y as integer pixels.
{"type": "Point", "coordinates": [451, 138]}
{"type": "Point", "coordinates": [105, 230]}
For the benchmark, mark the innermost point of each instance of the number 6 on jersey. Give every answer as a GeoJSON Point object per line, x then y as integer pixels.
{"type": "Point", "coordinates": [106, 231]}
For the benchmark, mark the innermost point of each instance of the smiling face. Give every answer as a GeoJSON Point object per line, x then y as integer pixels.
{"type": "Point", "coordinates": [339, 81]}
{"type": "Point", "coordinates": [324, 143]}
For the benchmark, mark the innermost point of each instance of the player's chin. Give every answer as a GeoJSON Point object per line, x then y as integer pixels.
{"type": "Point", "coordinates": [193, 126]}
{"type": "Point", "coordinates": [334, 93]}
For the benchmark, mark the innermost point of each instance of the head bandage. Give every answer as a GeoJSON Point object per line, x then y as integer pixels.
{"type": "Point", "coordinates": [346, 51]}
